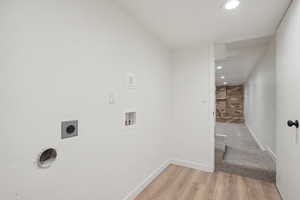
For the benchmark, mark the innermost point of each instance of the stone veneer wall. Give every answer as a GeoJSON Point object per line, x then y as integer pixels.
{"type": "Point", "coordinates": [230, 104]}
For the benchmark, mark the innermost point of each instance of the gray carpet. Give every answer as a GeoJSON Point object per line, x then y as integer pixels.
{"type": "Point", "coordinates": [237, 136]}
{"type": "Point", "coordinates": [241, 155]}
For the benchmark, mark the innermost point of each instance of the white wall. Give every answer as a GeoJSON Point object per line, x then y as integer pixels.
{"type": "Point", "coordinates": [260, 99]}
{"type": "Point", "coordinates": [193, 106]}
{"type": "Point", "coordinates": [59, 61]}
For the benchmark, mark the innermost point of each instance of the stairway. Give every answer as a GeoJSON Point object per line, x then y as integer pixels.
{"type": "Point", "coordinates": [252, 163]}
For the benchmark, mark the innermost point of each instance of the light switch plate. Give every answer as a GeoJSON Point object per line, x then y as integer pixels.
{"type": "Point", "coordinates": [131, 81]}
{"type": "Point", "coordinates": [111, 98]}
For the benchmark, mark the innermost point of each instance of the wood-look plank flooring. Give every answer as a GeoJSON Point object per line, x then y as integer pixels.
{"type": "Point", "coordinates": [180, 183]}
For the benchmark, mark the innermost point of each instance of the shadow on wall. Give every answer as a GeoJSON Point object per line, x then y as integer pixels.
{"type": "Point", "coordinates": [229, 104]}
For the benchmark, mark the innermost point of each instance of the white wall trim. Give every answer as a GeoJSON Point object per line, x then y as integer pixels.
{"type": "Point", "coordinates": [189, 164]}
{"type": "Point", "coordinates": [212, 102]}
{"type": "Point", "coordinates": [193, 165]}
{"type": "Point", "coordinates": [279, 191]}
{"type": "Point", "coordinates": [273, 155]}
{"type": "Point", "coordinates": [261, 146]}
{"type": "Point", "coordinates": [138, 189]}
{"type": "Point", "coordinates": [221, 135]}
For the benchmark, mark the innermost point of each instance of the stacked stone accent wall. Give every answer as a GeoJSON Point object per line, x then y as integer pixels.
{"type": "Point", "coordinates": [230, 104]}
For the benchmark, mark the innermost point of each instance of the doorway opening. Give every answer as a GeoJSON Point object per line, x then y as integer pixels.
{"type": "Point", "coordinates": [245, 108]}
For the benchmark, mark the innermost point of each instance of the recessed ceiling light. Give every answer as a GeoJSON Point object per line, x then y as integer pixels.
{"type": "Point", "coordinates": [225, 83]}
{"type": "Point", "coordinates": [231, 4]}
{"type": "Point", "coordinates": [222, 77]}
{"type": "Point", "coordinates": [219, 67]}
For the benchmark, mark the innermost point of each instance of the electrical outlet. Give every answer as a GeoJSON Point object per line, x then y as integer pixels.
{"type": "Point", "coordinates": [69, 129]}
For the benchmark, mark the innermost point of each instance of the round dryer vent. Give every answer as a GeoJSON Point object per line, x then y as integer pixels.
{"type": "Point", "coordinates": [47, 157]}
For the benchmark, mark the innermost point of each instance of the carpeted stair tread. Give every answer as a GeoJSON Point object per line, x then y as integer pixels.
{"type": "Point", "coordinates": [242, 155]}
{"type": "Point", "coordinates": [253, 159]}
{"type": "Point", "coordinates": [257, 165]}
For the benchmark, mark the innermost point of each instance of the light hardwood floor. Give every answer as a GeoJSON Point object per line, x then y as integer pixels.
{"type": "Point", "coordinates": [180, 183]}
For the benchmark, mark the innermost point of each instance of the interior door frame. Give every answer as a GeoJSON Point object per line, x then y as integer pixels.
{"type": "Point", "coordinates": [212, 101]}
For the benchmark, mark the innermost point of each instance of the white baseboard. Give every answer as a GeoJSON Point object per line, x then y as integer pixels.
{"type": "Point", "coordinates": [137, 190]}
{"type": "Point", "coordinates": [194, 165]}
{"type": "Point", "coordinates": [273, 155]}
{"type": "Point", "coordinates": [261, 146]}
{"type": "Point", "coordinates": [221, 135]}
{"type": "Point", "coordinates": [279, 191]}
